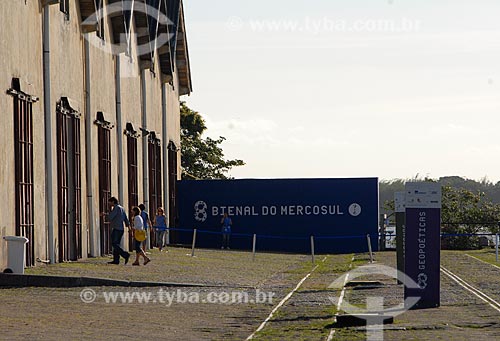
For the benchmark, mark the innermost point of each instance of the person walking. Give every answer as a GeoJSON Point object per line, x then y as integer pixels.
{"type": "Point", "coordinates": [147, 225]}
{"type": "Point", "coordinates": [161, 228]}
{"type": "Point", "coordinates": [139, 236]}
{"type": "Point", "coordinates": [226, 230]}
{"type": "Point", "coordinates": [117, 217]}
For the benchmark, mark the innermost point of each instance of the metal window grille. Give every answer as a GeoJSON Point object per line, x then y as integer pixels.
{"type": "Point", "coordinates": [69, 184]}
{"type": "Point", "coordinates": [24, 191]}
{"type": "Point", "coordinates": [104, 186]}
{"type": "Point", "coordinates": [133, 195]}
{"type": "Point", "coordinates": [155, 176]}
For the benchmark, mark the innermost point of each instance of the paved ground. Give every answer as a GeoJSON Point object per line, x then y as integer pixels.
{"type": "Point", "coordinates": [53, 314]}
{"type": "Point", "coordinates": [462, 316]}
{"type": "Point", "coordinates": [217, 267]}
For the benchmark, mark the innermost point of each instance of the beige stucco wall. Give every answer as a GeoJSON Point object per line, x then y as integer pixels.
{"type": "Point", "coordinates": [102, 98]}
{"type": "Point", "coordinates": [153, 98]}
{"type": "Point", "coordinates": [67, 80]}
{"type": "Point", "coordinates": [130, 98]}
{"type": "Point", "coordinates": [174, 119]}
{"type": "Point", "coordinates": [173, 112]}
{"type": "Point", "coordinates": [21, 57]}
{"type": "Point", "coordinates": [131, 113]}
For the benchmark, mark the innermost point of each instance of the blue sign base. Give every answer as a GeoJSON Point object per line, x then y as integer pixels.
{"type": "Point", "coordinates": [422, 255]}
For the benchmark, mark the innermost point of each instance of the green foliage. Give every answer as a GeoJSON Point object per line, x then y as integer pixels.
{"type": "Point", "coordinates": [466, 208]}
{"type": "Point", "coordinates": [192, 124]}
{"type": "Point", "coordinates": [201, 158]}
{"type": "Point", "coordinates": [465, 211]}
{"type": "Point", "coordinates": [389, 205]}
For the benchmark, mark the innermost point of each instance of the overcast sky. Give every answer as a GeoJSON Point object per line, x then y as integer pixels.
{"type": "Point", "coordinates": [349, 88]}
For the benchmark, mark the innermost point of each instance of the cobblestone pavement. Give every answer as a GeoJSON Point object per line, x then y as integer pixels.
{"type": "Point", "coordinates": [309, 314]}
{"type": "Point", "coordinates": [462, 316]}
{"type": "Point", "coordinates": [55, 314]}
{"type": "Point", "coordinates": [52, 314]}
{"type": "Point", "coordinates": [212, 267]}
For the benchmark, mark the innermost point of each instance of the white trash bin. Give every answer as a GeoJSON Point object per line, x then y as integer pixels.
{"type": "Point", "coordinates": [16, 256]}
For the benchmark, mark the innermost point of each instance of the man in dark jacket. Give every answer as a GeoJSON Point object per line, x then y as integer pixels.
{"type": "Point", "coordinates": [117, 217]}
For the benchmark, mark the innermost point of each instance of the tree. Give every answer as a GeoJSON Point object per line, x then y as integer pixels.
{"type": "Point", "coordinates": [467, 212]}
{"type": "Point", "coordinates": [463, 211]}
{"type": "Point", "coordinates": [201, 158]}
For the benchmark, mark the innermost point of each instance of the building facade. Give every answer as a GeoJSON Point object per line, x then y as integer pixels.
{"type": "Point", "coordinates": [91, 110]}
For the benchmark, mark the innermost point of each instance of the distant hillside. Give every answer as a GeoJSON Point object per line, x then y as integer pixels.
{"type": "Point", "coordinates": [492, 191]}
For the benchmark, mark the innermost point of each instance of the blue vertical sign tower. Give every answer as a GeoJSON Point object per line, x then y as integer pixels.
{"type": "Point", "coordinates": [423, 242]}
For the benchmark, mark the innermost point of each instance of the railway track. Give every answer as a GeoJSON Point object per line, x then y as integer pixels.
{"type": "Point", "coordinates": [470, 288]}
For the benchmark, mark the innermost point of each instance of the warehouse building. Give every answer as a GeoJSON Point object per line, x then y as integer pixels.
{"type": "Point", "coordinates": [90, 107]}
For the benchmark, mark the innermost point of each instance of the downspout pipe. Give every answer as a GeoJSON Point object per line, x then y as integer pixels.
{"type": "Point", "coordinates": [49, 193]}
{"type": "Point", "coordinates": [145, 168]}
{"type": "Point", "coordinates": [119, 136]}
{"type": "Point", "coordinates": [88, 146]}
{"type": "Point", "coordinates": [119, 128]}
{"type": "Point", "coordinates": [164, 112]}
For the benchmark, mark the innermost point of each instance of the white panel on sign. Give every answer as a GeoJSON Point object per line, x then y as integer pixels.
{"type": "Point", "coordinates": [423, 195]}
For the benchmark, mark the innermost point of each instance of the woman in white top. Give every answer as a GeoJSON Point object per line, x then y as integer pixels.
{"type": "Point", "coordinates": [139, 236]}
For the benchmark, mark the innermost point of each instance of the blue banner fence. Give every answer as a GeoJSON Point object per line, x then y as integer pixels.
{"type": "Point", "coordinates": [495, 238]}
{"type": "Point", "coordinates": [253, 239]}
{"type": "Point", "coordinates": [371, 239]}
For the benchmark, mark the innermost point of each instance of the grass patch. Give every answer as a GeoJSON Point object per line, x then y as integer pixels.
{"type": "Point", "coordinates": [343, 334]}
{"type": "Point", "coordinates": [315, 330]}
{"type": "Point", "coordinates": [488, 256]}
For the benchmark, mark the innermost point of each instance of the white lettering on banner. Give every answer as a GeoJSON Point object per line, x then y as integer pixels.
{"type": "Point", "coordinates": [268, 210]}
{"type": "Point", "coordinates": [421, 241]}
{"type": "Point", "coordinates": [284, 210]}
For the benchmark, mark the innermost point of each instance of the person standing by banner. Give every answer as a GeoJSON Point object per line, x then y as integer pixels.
{"type": "Point", "coordinates": [226, 230]}
{"type": "Point", "coordinates": [160, 228]}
